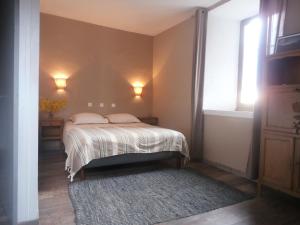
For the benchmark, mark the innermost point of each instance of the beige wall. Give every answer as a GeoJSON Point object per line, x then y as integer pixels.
{"type": "Point", "coordinates": [101, 62]}
{"type": "Point", "coordinates": [172, 71]}
{"type": "Point", "coordinates": [227, 141]}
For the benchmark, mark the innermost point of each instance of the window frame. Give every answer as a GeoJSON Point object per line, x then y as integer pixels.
{"type": "Point", "coordinates": [240, 106]}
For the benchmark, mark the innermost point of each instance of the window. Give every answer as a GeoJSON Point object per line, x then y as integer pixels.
{"type": "Point", "coordinates": [273, 23]}
{"type": "Point", "coordinates": [248, 62]}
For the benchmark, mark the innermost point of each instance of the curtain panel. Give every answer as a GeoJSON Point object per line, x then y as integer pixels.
{"type": "Point", "coordinates": [272, 13]}
{"type": "Point", "coordinates": [197, 85]}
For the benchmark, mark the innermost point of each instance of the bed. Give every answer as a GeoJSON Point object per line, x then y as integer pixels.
{"type": "Point", "coordinates": [94, 145]}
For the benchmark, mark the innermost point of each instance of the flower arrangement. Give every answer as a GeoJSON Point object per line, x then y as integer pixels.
{"type": "Point", "coordinates": [52, 106]}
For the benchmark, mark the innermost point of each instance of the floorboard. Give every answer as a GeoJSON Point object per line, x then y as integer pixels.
{"type": "Point", "coordinates": [271, 209]}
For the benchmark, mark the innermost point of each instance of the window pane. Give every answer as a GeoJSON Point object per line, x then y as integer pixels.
{"type": "Point", "coordinates": [273, 32]}
{"type": "Point", "coordinates": [250, 60]}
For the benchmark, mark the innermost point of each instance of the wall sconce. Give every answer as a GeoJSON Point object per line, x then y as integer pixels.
{"type": "Point", "coordinates": [138, 89]}
{"type": "Point", "coordinates": [61, 83]}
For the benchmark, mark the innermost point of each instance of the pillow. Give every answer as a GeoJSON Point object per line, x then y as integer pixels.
{"type": "Point", "coordinates": [122, 118]}
{"type": "Point", "coordinates": [88, 118]}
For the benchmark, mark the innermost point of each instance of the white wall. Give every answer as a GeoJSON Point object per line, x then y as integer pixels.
{"type": "Point", "coordinates": [19, 110]}
{"type": "Point", "coordinates": [221, 65]}
{"type": "Point", "coordinates": [26, 83]}
{"type": "Point", "coordinates": [227, 141]}
{"type": "Point", "coordinates": [227, 138]}
{"type": "Point", "coordinates": [227, 133]}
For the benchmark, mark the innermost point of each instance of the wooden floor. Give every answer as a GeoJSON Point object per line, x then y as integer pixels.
{"type": "Point", "coordinates": [271, 209]}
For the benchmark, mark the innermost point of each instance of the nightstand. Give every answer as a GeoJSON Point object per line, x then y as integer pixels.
{"type": "Point", "coordinates": [149, 120]}
{"type": "Point", "coordinates": [51, 129]}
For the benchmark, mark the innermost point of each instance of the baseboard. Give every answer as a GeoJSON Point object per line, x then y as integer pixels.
{"type": "Point", "coordinates": [225, 168]}
{"type": "Point", "coordinates": [33, 222]}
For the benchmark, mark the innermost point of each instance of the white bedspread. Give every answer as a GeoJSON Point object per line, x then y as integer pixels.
{"type": "Point", "coordinates": [83, 143]}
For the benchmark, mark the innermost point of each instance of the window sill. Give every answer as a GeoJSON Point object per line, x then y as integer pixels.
{"type": "Point", "coordinates": [233, 114]}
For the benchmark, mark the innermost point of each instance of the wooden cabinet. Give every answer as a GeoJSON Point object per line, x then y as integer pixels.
{"type": "Point", "coordinates": [278, 160]}
{"type": "Point", "coordinates": [279, 114]}
{"type": "Point", "coordinates": [51, 129]}
{"type": "Point", "coordinates": [280, 140]}
{"type": "Point", "coordinates": [297, 168]}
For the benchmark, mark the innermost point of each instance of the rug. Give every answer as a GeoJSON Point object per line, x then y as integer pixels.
{"type": "Point", "coordinates": [148, 197]}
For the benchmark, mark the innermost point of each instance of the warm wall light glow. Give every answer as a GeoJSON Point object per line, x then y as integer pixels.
{"type": "Point", "coordinates": [60, 81]}
{"type": "Point", "coordinates": [138, 89]}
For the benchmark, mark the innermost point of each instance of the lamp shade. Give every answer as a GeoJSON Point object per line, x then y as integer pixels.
{"type": "Point", "coordinates": [61, 83]}
{"type": "Point", "coordinates": [138, 89]}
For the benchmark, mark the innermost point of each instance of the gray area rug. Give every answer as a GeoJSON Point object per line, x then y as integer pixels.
{"type": "Point", "coordinates": [148, 197]}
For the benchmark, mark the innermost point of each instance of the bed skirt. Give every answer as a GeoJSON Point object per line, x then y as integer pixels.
{"type": "Point", "coordinates": [132, 158]}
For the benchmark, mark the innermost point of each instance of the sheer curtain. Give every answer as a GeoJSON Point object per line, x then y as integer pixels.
{"type": "Point", "coordinates": [272, 14]}
{"type": "Point", "coordinates": [198, 80]}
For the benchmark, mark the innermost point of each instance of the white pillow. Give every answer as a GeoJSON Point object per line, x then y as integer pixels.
{"type": "Point", "coordinates": [122, 118]}
{"type": "Point", "coordinates": [88, 118]}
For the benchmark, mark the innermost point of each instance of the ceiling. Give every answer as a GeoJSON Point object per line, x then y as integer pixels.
{"type": "Point", "coordinates": [237, 9]}
{"type": "Point", "coordinates": [149, 17]}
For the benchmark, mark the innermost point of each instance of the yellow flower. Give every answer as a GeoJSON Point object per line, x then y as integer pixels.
{"type": "Point", "coordinates": [47, 105]}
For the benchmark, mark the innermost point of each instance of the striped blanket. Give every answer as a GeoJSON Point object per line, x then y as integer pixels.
{"type": "Point", "coordinates": [83, 143]}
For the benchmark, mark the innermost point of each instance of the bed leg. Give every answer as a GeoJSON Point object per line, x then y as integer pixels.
{"type": "Point", "coordinates": [178, 162]}
{"type": "Point", "coordinates": [82, 174]}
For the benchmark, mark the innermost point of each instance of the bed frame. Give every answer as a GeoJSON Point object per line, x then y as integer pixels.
{"type": "Point", "coordinates": [132, 158]}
